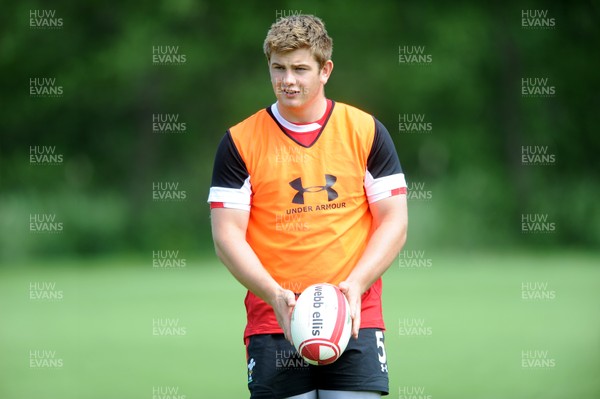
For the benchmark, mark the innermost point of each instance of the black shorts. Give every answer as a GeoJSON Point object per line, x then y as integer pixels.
{"type": "Point", "coordinates": [275, 370]}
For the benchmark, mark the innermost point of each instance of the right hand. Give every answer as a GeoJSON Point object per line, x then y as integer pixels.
{"type": "Point", "coordinates": [283, 305]}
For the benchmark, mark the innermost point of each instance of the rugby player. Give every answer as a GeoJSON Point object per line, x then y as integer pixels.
{"type": "Point", "coordinates": [308, 190]}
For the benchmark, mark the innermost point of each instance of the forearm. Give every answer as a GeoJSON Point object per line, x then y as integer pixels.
{"type": "Point", "coordinates": [385, 243]}
{"type": "Point", "coordinates": [242, 262]}
{"type": "Point", "coordinates": [229, 228]}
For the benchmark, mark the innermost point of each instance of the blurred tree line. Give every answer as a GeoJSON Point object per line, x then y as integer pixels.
{"type": "Point", "coordinates": [469, 161]}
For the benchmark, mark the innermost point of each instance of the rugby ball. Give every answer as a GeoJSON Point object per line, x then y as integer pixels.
{"type": "Point", "coordinates": [321, 324]}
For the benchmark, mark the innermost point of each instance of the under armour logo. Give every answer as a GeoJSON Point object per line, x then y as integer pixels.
{"type": "Point", "coordinates": [384, 368]}
{"type": "Point", "coordinates": [329, 182]}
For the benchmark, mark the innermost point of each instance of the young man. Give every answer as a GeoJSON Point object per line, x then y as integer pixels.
{"type": "Point", "coordinates": [307, 191]}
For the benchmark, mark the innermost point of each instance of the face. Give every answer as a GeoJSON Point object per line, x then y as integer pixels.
{"type": "Point", "coordinates": [297, 79]}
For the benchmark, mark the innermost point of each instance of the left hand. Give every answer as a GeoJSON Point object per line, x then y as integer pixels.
{"type": "Point", "coordinates": [353, 294]}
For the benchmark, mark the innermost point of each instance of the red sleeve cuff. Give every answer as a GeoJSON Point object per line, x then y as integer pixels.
{"type": "Point", "coordinates": [398, 191]}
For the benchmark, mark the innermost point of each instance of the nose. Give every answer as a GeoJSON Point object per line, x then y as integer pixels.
{"type": "Point", "coordinates": [288, 78]}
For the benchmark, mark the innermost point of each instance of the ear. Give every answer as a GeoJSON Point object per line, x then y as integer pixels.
{"type": "Point", "coordinates": [326, 71]}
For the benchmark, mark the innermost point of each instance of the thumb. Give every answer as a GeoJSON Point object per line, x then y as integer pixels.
{"type": "Point", "coordinates": [344, 287]}
{"type": "Point", "coordinates": [290, 299]}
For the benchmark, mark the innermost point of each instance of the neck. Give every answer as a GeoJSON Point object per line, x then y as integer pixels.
{"type": "Point", "coordinates": [308, 114]}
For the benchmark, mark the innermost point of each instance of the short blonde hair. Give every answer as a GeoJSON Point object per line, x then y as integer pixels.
{"type": "Point", "coordinates": [299, 31]}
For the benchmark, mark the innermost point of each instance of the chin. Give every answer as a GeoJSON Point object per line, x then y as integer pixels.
{"type": "Point", "coordinates": [295, 103]}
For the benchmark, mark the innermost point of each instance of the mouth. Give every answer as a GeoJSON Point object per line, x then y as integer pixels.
{"type": "Point", "coordinates": [290, 92]}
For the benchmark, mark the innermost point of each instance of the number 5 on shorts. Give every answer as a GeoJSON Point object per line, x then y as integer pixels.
{"type": "Point", "coordinates": [381, 351]}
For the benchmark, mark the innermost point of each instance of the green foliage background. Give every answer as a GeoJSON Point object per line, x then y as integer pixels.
{"type": "Point", "coordinates": [470, 92]}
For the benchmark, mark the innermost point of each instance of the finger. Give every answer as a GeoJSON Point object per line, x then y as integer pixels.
{"type": "Point", "coordinates": [344, 287]}
{"type": "Point", "coordinates": [288, 335]}
{"type": "Point", "coordinates": [355, 324]}
{"type": "Point", "coordinates": [354, 308]}
{"type": "Point", "coordinates": [291, 302]}
{"type": "Point", "coordinates": [291, 299]}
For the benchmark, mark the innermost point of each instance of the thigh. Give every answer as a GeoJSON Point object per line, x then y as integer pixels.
{"type": "Point", "coordinates": [362, 367]}
{"type": "Point", "coordinates": [275, 370]}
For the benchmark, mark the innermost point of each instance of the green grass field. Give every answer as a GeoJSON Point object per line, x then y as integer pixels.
{"type": "Point", "coordinates": [457, 329]}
